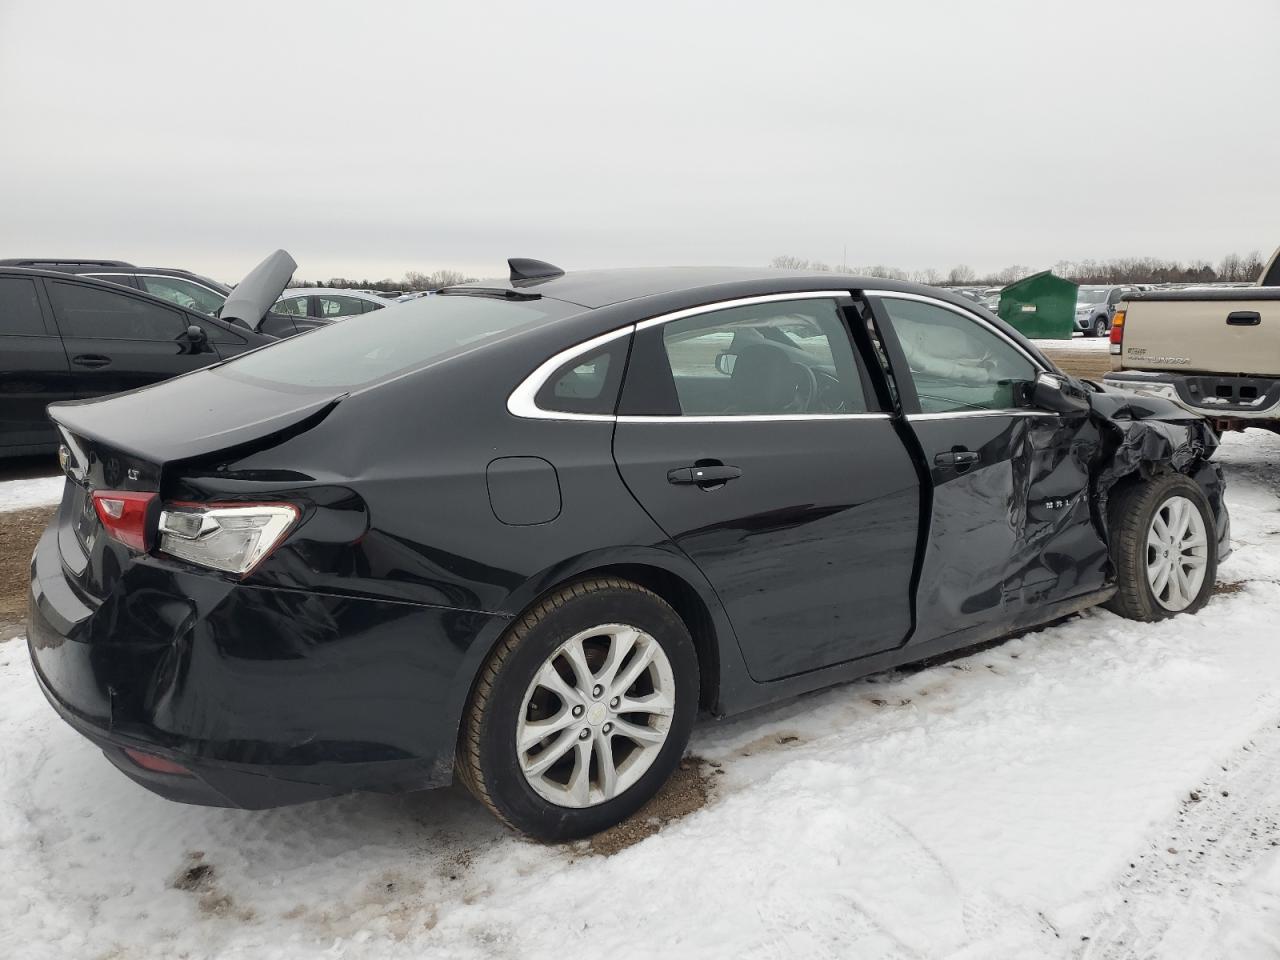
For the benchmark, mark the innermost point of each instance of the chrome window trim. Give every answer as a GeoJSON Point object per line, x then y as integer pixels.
{"type": "Point", "coordinates": [754, 418]}
{"type": "Point", "coordinates": [521, 402]}
{"type": "Point", "coordinates": [961, 311]}
{"type": "Point", "coordinates": [161, 276]}
{"type": "Point", "coordinates": [959, 414]}
{"type": "Point", "coordinates": [739, 302]}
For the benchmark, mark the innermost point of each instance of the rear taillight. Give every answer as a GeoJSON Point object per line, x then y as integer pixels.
{"type": "Point", "coordinates": [127, 516]}
{"type": "Point", "coordinates": [1117, 332]}
{"type": "Point", "coordinates": [149, 761]}
{"type": "Point", "coordinates": [234, 537]}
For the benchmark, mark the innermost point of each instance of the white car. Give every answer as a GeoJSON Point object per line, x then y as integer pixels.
{"type": "Point", "coordinates": [327, 303]}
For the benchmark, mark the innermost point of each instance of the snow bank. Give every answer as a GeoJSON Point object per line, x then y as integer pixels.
{"type": "Point", "coordinates": [37, 492]}
{"type": "Point", "coordinates": [987, 807]}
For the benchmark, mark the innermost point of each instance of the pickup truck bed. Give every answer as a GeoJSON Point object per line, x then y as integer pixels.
{"type": "Point", "coordinates": [1216, 352]}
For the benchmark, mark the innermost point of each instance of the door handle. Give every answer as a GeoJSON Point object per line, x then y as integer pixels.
{"type": "Point", "coordinates": [1244, 318]}
{"type": "Point", "coordinates": [713, 474]}
{"type": "Point", "coordinates": [956, 458]}
{"type": "Point", "coordinates": [90, 360]}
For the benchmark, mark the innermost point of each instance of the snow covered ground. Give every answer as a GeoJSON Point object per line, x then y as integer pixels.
{"type": "Point", "coordinates": [1098, 789]}
{"type": "Point", "coordinates": [20, 494]}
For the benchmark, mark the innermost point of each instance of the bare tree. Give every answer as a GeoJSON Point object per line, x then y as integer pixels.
{"type": "Point", "coordinates": [961, 273]}
{"type": "Point", "coordinates": [786, 262]}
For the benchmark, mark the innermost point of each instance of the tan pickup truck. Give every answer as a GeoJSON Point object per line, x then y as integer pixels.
{"type": "Point", "coordinates": [1212, 351]}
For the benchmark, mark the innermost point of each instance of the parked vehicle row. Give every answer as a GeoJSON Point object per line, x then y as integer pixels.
{"type": "Point", "coordinates": [524, 531]}
{"type": "Point", "coordinates": [324, 303]}
{"type": "Point", "coordinates": [72, 336]}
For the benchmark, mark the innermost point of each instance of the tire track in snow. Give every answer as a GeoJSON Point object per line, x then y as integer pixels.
{"type": "Point", "coordinates": [1181, 898]}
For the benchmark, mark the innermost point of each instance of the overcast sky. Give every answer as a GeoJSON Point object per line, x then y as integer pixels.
{"type": "Point", "coordinates": [368, 138]}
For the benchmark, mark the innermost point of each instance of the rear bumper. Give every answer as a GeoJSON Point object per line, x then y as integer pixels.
{"type": "Point", "coordinates": [1216, 397]}
{"type": "Point", "coordinates": [267, 696]}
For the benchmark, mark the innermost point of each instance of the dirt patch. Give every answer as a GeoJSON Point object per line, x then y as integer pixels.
{"type": "Point", "coordinates": [1221, 588]}
{"type": "Point", "coordinates": [1084, 363]}
{"type": "Point", "coordinates": [200, 879]}
{"type": "Point", "coordinates": [686, 792]}
{"type": "Point", "coordinates": [19, 531]}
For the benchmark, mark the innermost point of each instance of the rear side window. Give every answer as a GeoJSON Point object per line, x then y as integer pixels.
{"type": "Point", "coordinates": [363, 349]}
{"type": "Point", "coordinates": [586, 384]}
{"type": "Point", "coordinates": [336, 306]}
{"type": "Point", "coordinates": [784, 358]}
{"type": "Point", "coordinates": [19, 308]}
{"type": "Point", "coordinates": [84, 311]}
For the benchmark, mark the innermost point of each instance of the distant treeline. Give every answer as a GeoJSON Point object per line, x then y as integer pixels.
{"type": "Point", "coordinates": [1233, 267]}
{"type": "Point", "coordinates": [413, 280]}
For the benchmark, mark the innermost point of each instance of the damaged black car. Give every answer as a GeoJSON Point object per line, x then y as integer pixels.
{"type": "Point", "coordinates": [525, 531]}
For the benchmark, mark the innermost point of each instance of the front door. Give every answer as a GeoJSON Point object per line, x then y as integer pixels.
{"type": "Point", "coordinates": [1010, 526]}
{"type": "Point", "coordinates": [750, 435]}
{"type": "Point", "coordinates": [118, 342]}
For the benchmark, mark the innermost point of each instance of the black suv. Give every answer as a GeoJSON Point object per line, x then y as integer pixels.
{"type": "Point", "coordinates": [70, 337]}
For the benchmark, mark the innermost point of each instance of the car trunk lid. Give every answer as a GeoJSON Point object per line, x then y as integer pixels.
{"type": "Point", "coordinates": [133, 442]}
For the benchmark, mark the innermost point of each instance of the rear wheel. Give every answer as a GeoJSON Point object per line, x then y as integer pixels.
{"type": "Point", "coordinates": [582, 711]}
{"type": "Point", "coordinates": [1164, 548]}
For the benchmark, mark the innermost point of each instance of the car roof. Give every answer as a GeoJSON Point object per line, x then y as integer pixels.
{"type": "Point", "coordinates": [307, 291]}
{"type": "Point", "coordinates": [602, 288]}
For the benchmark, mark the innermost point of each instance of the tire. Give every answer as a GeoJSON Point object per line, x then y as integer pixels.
{"type": "Point", "coordinates": [513, 694]}
{"type": "Point", "coordinates": [1133, 514]}
{"type": "Point", "coordinates": [1100, 327]}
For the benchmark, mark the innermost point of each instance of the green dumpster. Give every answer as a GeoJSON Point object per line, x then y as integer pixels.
{"type": "Point", "coordinates": [1041, 306]}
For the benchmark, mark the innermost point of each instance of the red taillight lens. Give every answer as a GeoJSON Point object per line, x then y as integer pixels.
{"type": "Point", "coordinates": [149, 761]}
{"type": "Point", "coordinates": [1117, 329]}
{"type": "Point", "coordinates": [127, 516]}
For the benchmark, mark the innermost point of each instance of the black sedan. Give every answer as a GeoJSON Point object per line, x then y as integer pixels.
{"type": "Point", "coordinates": [66, 336]}
{"type": "Point", "coordinates": [525, 531]}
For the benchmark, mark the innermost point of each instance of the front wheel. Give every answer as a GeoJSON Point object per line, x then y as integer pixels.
{"type": "Point", "coordinates": [1100, 327]}
{"type": "Point", "coordinates": [1164, 548]}
{"type": "Point", "coordinates": [582, 711]}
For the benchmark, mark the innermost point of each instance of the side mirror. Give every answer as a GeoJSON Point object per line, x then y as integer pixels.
{"type": "Point", "coordinates": [725, 363]}
{"type": "Point", "coordinates": [1050, 391]}
{"type": "Point", "coordinates": [196, 335]}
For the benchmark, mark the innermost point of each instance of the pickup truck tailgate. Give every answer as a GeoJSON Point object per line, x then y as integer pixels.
{"type": "Point", "coordinates": [1223, 331]}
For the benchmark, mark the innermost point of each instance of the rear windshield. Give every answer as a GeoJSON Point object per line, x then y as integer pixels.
{"type": "Point", "coordinates": [374, 346]}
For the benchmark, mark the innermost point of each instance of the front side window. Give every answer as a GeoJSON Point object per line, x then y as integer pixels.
{"type": "Point", "coordinates": [956, 363]}
{"type": "Point", "coordinates": [84, 311]}
{"type": "Point", "coordinates": [19, 308]}
{"type": "Point", "coordinates": [185, 294]}
{"type": "Point", "coordinates": [782, 358]}
{"type": "Point", "coordinates": [338, 306]}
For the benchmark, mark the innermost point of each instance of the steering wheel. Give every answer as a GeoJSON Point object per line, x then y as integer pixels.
{"type": "Point", "coordinates": [806, 389]}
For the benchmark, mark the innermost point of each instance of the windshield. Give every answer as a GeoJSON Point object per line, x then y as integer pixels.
{"type": "Point", "coordinates": [1088, 295]}
{"type": "Point", "coordinates": [374, 346]}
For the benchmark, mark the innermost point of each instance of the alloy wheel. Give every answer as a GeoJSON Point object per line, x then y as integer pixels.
{"type": "Point", "coordinates": [595, 716]}
{"type": "Point", "coordinates": [1177, 553]}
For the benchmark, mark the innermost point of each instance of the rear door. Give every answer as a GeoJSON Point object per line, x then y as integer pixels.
{"type": "Point", "coordinates": [116, 341]}
{"type": "Point", "coordinates": [1010, 527]}
{"type": "Point", "coordinates": [749, 433]}
{"type": "Point", "coordinates": [33, 367]}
